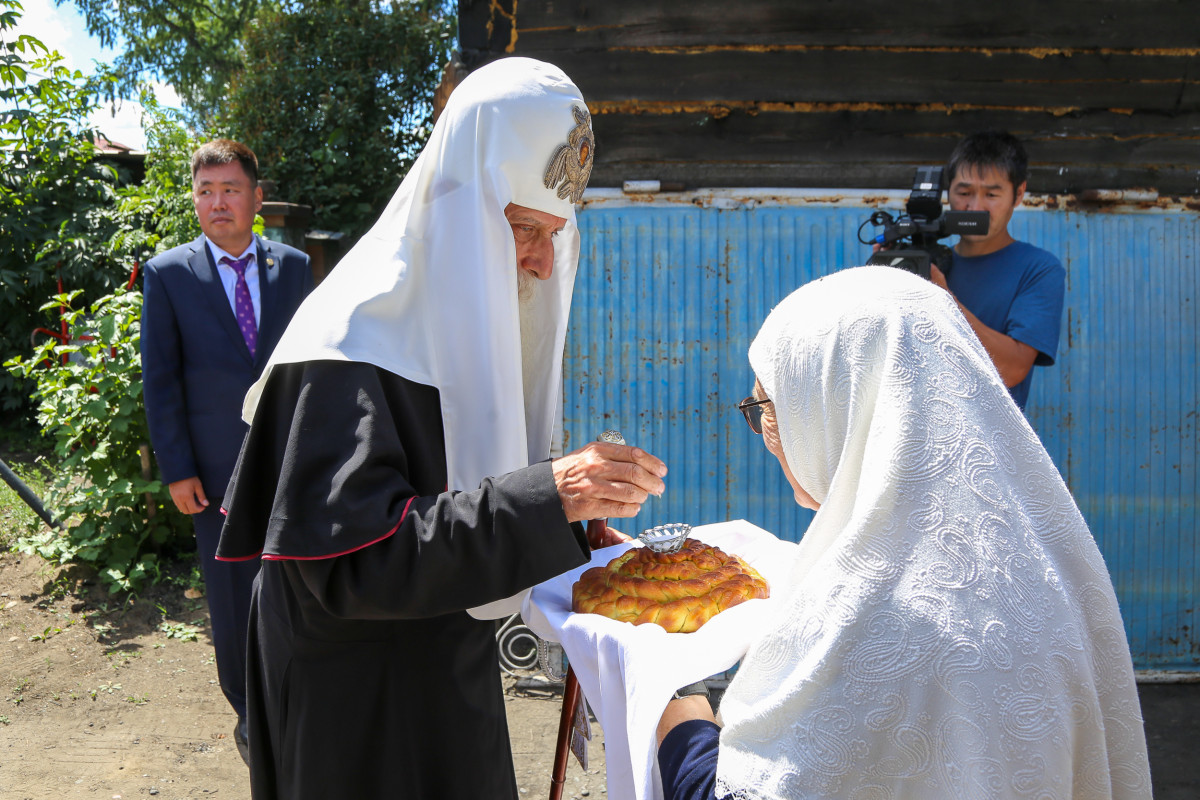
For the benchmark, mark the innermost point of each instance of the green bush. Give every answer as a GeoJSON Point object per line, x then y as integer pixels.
{"type": "Point", "coordinates": [117, 518]}
{"type": "Point", "coordinates": [91, 407]}
{"type": "Point", "coordinates": [50, 183]}
{"type": "Point", "coordinates": [335, 98]}
{"type": "Point", "coordinates": [157, 214]}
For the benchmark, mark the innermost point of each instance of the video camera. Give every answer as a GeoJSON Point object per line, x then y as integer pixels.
{"type": "Point", "coordinates": [922, 226]}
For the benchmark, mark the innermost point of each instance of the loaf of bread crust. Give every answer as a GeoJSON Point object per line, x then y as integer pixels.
{"type": "Point", "coordinates": [679, 591]}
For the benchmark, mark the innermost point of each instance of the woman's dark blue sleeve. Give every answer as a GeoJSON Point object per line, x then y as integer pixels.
{"type": "Point", "coordinates": [687, 761]}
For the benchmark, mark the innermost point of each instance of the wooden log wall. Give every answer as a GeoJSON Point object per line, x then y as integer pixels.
{"type": "Point", "coordinates": [825, 94]}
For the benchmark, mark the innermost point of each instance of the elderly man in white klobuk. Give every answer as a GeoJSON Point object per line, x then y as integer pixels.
{"type": "Point", "coordinates": [397, 474]}
{"type": "Point", "coordinates": [949, 629]}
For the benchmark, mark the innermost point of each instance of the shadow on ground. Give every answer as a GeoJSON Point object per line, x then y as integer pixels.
{"type": "Point", "coordinates": [1172, 714]}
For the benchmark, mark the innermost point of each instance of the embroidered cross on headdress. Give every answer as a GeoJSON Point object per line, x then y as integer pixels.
{"type": "Point", "coordinates": [571, 165]}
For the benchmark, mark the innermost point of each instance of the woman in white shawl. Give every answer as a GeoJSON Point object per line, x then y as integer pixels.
{"type": "Point", "coordinates": [949, 629]}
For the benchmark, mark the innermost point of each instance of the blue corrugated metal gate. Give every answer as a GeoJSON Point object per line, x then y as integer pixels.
{"type": "Point", "coordinates": [669, 296]}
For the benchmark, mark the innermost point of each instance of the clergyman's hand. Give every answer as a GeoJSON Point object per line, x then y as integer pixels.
{"type": "Point", "coordinates": [603, 480]}
{"type": "Point", "coordinates": [188, 495]}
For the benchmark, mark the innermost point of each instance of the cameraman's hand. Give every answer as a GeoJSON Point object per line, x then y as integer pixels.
{"type": "Point", "coordinates": [937, 277]}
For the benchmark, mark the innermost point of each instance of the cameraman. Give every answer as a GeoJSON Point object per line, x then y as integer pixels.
{"type": "Point", "coordinates": [1010, 292]}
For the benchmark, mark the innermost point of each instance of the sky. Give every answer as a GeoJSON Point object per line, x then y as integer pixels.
{"type": "Point", "coordinates": [61, 28]}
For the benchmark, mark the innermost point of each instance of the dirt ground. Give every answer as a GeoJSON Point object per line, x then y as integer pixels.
{"type": "Point", "coordinates": [114, 701]}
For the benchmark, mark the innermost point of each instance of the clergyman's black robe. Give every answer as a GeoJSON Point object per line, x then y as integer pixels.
{"type": "Point", "coordinates": [367, 679]}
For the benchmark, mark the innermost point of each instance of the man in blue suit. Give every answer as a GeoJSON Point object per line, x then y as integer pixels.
{"type": "Point", "coordinates": [213, 310]}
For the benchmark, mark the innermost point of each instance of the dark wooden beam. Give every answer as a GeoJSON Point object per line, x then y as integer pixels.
{"type": "Point", "coordinates": [1105, 93]}
{"type": "Point", "coordinates": [1132, 24]}
{"type": "Point", "coordinates": [859, 150]}
{"type": "Point", "coordinates": [951, 78]}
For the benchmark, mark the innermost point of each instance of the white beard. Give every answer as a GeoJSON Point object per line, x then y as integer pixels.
{"type": "Point", "coordinates": [529, 291]}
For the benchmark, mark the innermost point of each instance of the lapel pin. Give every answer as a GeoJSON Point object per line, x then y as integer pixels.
{"type": "Point", "coordinates": [270, 261]}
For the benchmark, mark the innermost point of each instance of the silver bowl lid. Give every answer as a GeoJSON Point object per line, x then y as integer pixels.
{"type": "Point", "coordinates": [666, 538]}
{"type": "Point", "coordinates": [614, 437]}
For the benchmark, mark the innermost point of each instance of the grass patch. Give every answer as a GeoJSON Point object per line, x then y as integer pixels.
{"type": "Point", "coordinates": [180, 631]}
{"type": "Point", "coordinates": [17, 518]}
{"type": "Point", "coordinates": [26, 453]}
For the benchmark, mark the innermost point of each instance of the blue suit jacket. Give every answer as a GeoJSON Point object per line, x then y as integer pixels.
{"type": "Point", "coordinates": [196, 367]}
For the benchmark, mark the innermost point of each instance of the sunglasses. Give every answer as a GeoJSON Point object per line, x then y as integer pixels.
{"type": "Point", "coordinates": [752, 410]}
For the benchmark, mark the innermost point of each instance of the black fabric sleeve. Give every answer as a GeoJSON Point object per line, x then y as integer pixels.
{"type": "Point", "coordinates": [454, 551]}
{"type": "Point", "coordinates": [343, 476]}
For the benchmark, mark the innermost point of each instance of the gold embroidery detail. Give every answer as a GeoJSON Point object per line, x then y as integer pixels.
{"type": "Point", "coordinates": [571, 165]}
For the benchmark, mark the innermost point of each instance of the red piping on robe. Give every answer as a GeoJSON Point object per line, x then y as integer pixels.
{"type": "Point", "coordinates": [403, 514]}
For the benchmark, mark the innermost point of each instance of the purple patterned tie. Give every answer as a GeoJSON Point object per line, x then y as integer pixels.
{"type": "Point", "coordinates": [242, 304]}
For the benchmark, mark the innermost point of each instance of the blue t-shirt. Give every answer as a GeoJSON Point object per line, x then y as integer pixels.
{"type": "Point", "coordinates": [1018, 291]}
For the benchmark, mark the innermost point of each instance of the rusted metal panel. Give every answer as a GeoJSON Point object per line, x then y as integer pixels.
{"type": "Point", "coordinates": [1118, 411]}
{"type": "Point", "coordinates": [672, 288]}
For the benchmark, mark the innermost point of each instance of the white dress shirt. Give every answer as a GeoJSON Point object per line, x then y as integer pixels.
{"type": "Point", "coordinates": [229, 276]}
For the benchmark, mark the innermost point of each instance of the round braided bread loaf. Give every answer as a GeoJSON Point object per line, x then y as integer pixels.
{"type": "Point", "coordinates": [679, 591]}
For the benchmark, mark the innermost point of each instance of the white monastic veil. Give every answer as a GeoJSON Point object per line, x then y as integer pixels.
{"type": "Point", "coordinates": [950, 630]}
{"type": "Point", "coordinates": [429, 293]}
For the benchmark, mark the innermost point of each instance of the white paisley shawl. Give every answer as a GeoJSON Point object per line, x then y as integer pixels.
{"type": "Point", "coordinates": [950, 629]}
